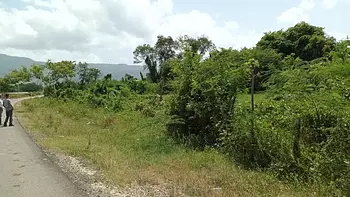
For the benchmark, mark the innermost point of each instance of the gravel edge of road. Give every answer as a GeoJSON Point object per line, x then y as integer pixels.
{"type": "Point", "coordinates": [81, 182]}
{"type": "Point", "coordinates": [89, 180]}
{"type": "Point", "coordinates": [85, 179]}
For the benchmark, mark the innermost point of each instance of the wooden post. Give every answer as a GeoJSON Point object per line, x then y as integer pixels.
{"type": "Point", "coordinates": [296, 147]}
{"type": "Point", "coordinates": [161, 89]}
{"type": "Point", "coordinates": [252, 98]}
{"type": "Point", "coordinates": [252, 132]}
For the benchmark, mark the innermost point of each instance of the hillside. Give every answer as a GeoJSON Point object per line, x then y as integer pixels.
{"type": "Point", "coordinates": [8, 63]}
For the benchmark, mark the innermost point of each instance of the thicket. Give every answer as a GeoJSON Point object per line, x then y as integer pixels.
{"type": "Point", "coordinates": [299, 128]}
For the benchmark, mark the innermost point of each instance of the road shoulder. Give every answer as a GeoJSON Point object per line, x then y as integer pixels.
{"type": "Point", "coordinates": [84, 178]}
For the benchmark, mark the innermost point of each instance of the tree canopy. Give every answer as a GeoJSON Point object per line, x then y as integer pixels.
{"type": "Point", "coordinates": [306, 41]}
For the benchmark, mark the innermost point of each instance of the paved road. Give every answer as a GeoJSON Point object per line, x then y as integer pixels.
{"type": "Point", "coordinates": [25, 171]}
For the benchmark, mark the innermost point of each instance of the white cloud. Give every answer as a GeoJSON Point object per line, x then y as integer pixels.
{"type": "Point", "coordinates": [107, 31]}
{"type": "Point", "coordinates": [196, 23]}
{"type": "Point", "coordinates": [297, 14]}
{"type": "Point", "coordinates": [232, 25]}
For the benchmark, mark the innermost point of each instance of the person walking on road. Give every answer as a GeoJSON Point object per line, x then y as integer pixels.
{"type": "Point", "coordinates": [9, 110]}
{"type": "Point", "coordinates": [1, 108]}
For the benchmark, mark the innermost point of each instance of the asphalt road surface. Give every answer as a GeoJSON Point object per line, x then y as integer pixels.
{"type": "Point", "coordinates": [25, 171]}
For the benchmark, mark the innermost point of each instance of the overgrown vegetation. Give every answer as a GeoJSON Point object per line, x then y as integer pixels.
{"type": "Point", "coordinates": [297, 128]}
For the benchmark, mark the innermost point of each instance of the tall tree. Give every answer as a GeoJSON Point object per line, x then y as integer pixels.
{"type": "Point", "coordinates": [200, 45]}
{"type": "Point", "coordinates": [87, 75]}
{"type": "Point", "coordinates": [269, 61]}
{"type": "Point", "coordinates": [18, 76]}
{"type": "Point", "coordinates": [58, 72]}
{"type": "Point", "coordinates": [146, 54]}
{"type": "Point", "coordinates": [167, 49]}
{"type": "Point", "coordinates": [155, 58]}
{"type": "Point", "coordinates": [306, 41]}
{"type": "Point", "coordinates": [37, 71]}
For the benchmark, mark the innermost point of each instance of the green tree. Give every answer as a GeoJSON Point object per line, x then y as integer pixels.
{"type": "Point", "coordinates": [17, 77]}
{"type": "Point", "coordinates": [205, 96]}
{"type": "Point", "coordinates": [157, 58]}
{"type": "Point", "coordinates": [86, 75]}
{"type": "Point", "coordinates": [58, 74]}
{"type": "Point", "coordinates": [200, 45]}
{"type": "Point", "coordinates": [342, 51]}
{"type": "Point", "coordinates": [4, 85]}
{"type": "Point", "coordinates": [63, 70]}
{"type": "Point", "coordinates": [30, 87]}
{"type": "Point", "coordinates": [37, 71]}
{"type": "Point", "coordinates": [306, 41]}
{"type": "Point", "coordinates": [146, 54]}
{"type": "Point", "coordinates": [269, 62]}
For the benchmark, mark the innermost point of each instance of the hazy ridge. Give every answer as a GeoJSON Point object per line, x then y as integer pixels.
{"type": "Point", "coordinates": [8, 63]}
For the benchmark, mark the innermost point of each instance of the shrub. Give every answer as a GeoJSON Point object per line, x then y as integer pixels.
{"type": "Point", "coordinates": [305, 139]}
{"type": "Point", "coordinates": [149, 106]}
{"type": "Point", "coordinates": [205, 97]}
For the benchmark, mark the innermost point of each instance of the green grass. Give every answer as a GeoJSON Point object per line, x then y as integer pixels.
{"type": "Point", "coordinates": [246, 98]}
{"type": "Point", "coordinates": [129, 147]}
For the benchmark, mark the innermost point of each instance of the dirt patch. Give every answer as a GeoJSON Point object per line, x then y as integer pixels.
{"type": "Point", "coordinates": [90, 181]}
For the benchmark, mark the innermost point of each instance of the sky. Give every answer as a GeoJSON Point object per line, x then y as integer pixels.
{"type": "Point", "coordinates": [109, 30]}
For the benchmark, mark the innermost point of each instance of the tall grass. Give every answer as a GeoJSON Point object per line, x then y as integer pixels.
{"type": "Point", "coordinates": [129, 147]}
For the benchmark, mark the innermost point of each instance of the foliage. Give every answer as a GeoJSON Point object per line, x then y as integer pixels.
{"type": "Point", "coordinates": [129, 146]}
{"type": "Point", "coordinates": [298, 129]}
{"type": "Point", "coordinates": [269, 62]}
{"type": "Point", "coordinates": [342, 51]}
{"type": "Point", "coordinates": [306, 41]}
{"type": "Point", "coordinates": [156, 58]}
{"type": "Point", "coordinates": [87, 75]}
{"type": "Point", "coordinates": [30, 87]}
{"type": "Point", "coordinates": [138, 86]}
{"type": "Point", "coordinates": [200, 45]}
{"type": "Point", "coordinates": [205, 98]}
{"type": "Point", "coordinates": [37, 71]}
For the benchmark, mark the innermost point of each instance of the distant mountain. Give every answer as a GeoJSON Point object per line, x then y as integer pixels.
{"type": "Point", "coordinates": [8, 63]}
{"type": "Point", "coordinates": [119, 70]}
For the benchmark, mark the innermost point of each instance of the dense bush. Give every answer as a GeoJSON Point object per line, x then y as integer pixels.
{"type": "Point", "coordinates": [206, 92]}
{"type": "Point", "coordinates": [30, 87]}
{"type": "Point", "coordinates": [150, 105]}
{"type": "Point", "coordinates": [294, 138]}
{"type": "Point", "coordinates": [138, 86]}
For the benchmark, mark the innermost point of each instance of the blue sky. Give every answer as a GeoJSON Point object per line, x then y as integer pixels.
{"type": "Point", "coordinates": [255, 14]}
{"type": "Point", "coordinates": [109, 30]}
{"type": "Point", "coordinates": [262, 14]}
{"type": "Point", "coordinates": [249, 13]}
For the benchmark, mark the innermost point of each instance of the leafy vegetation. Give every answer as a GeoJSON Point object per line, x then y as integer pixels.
{"type": "Point", "coordinates": [293, 124]}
